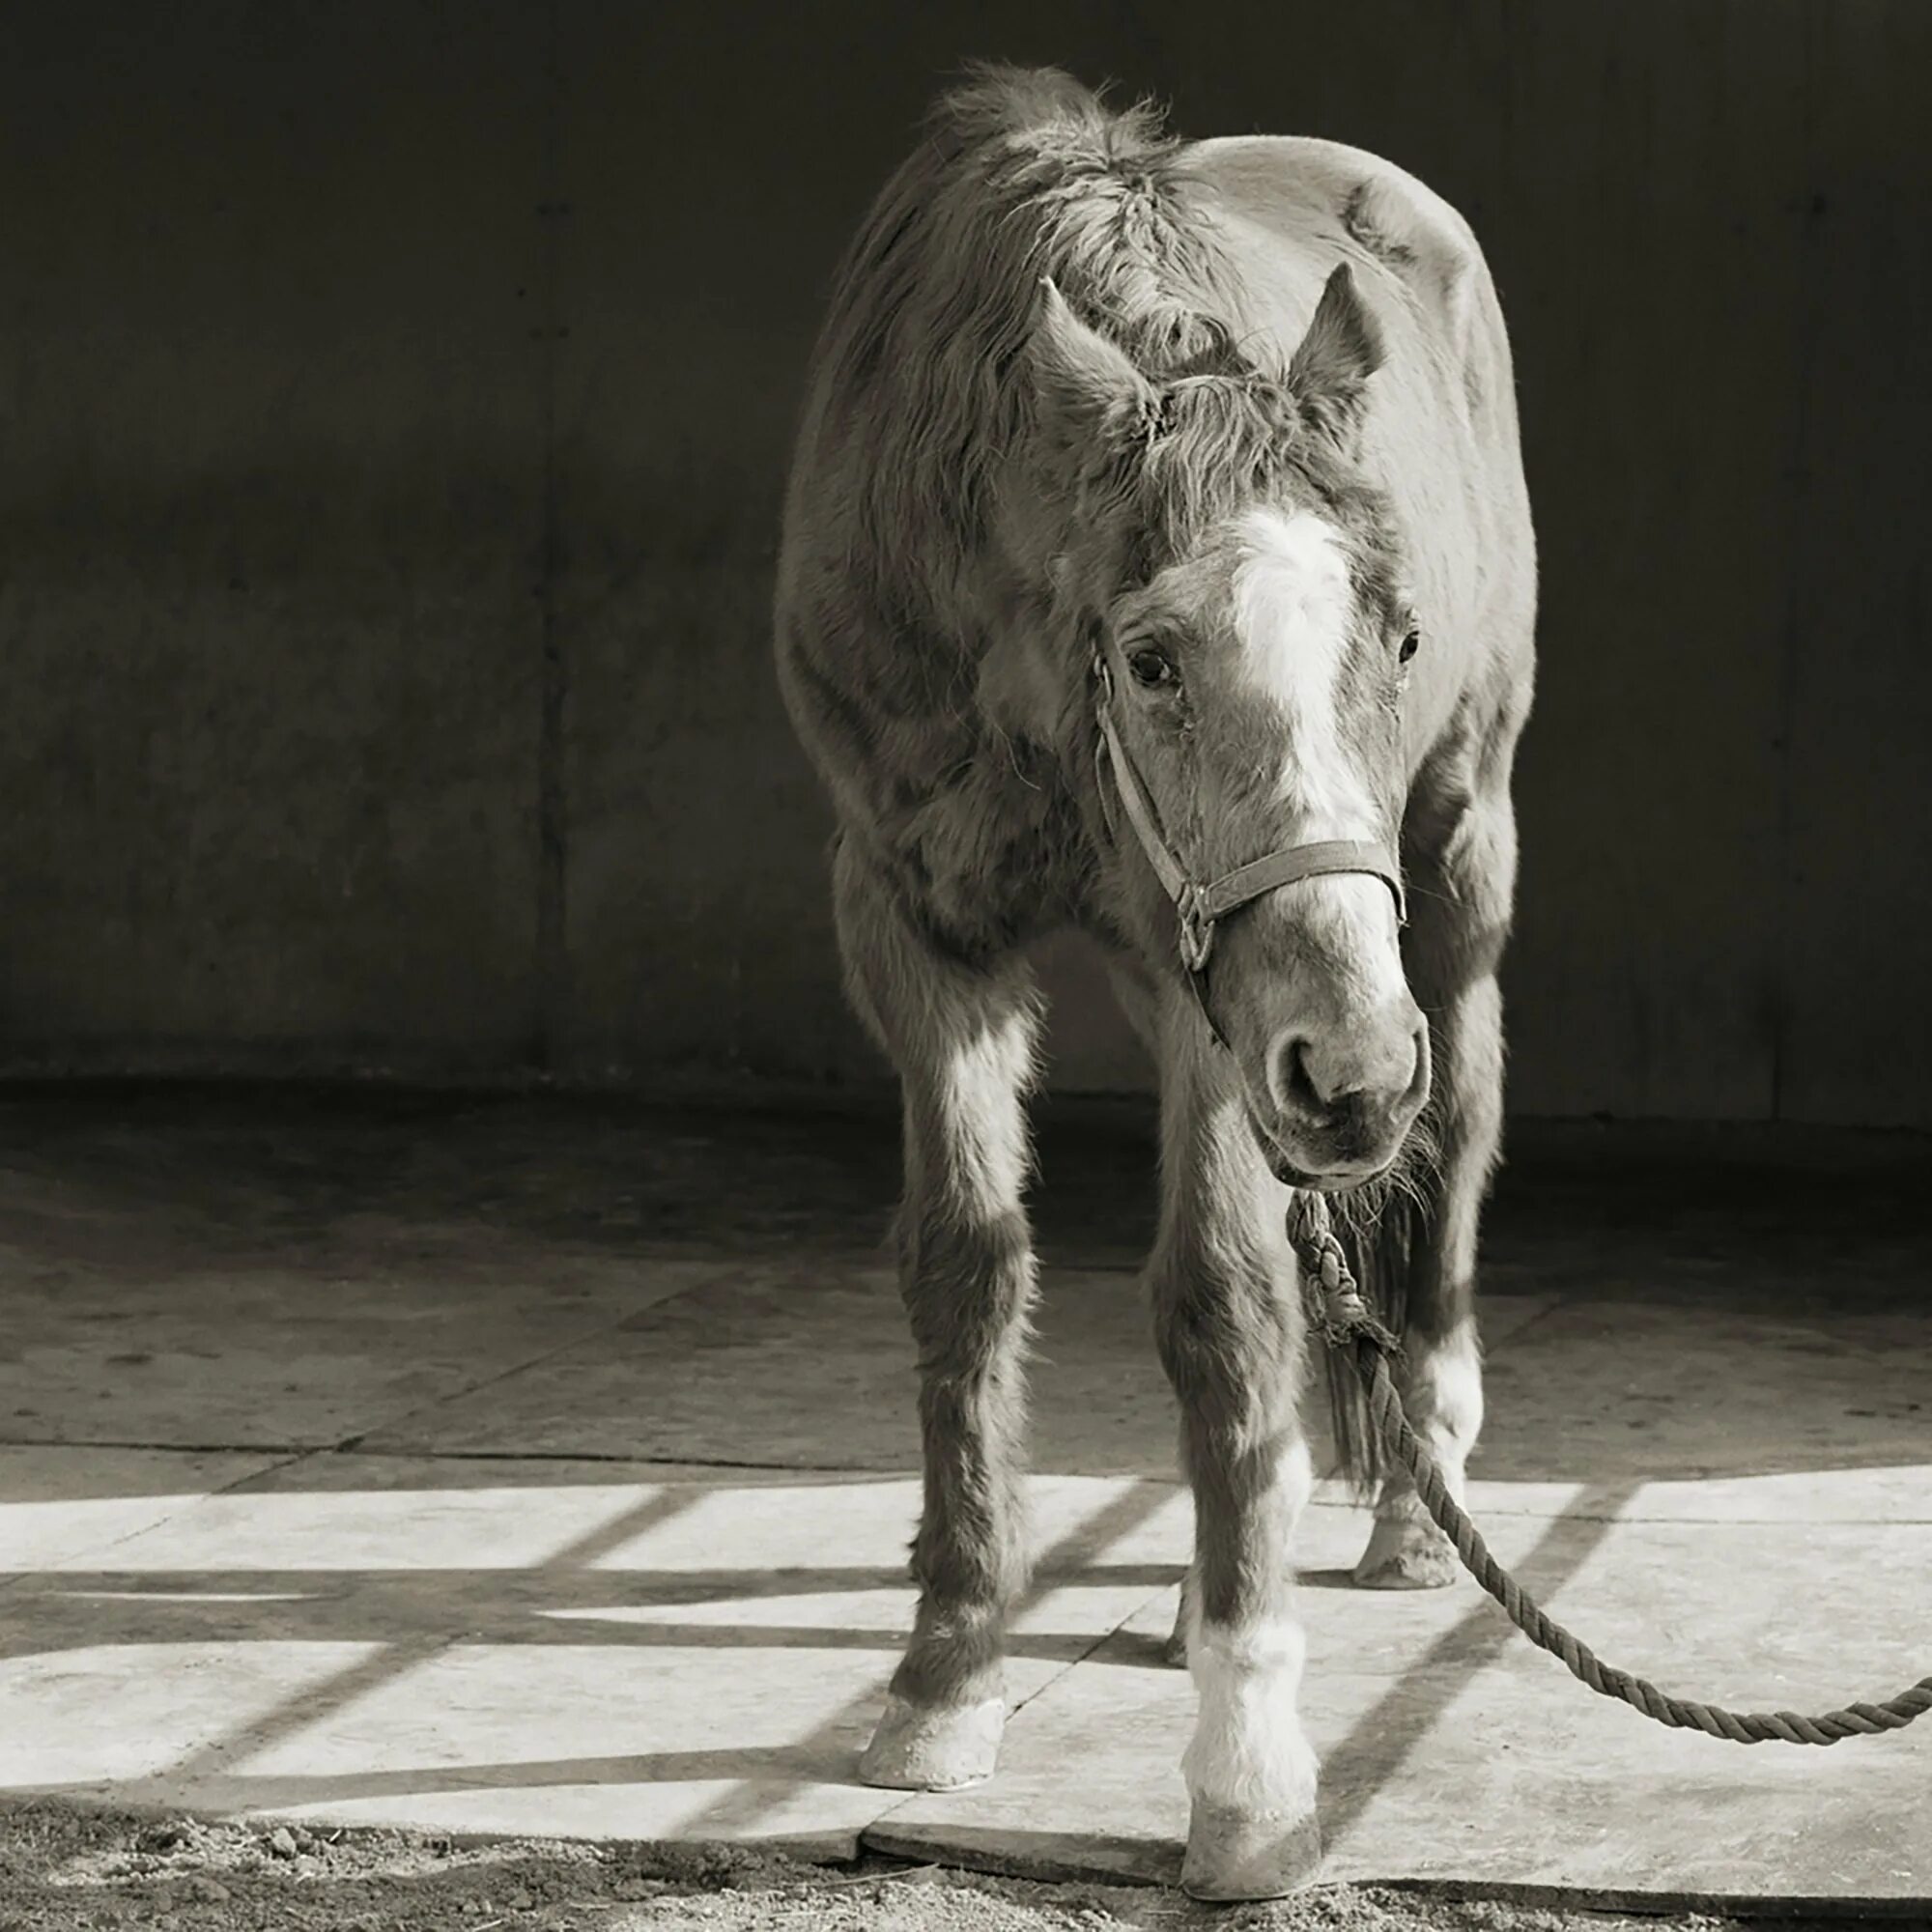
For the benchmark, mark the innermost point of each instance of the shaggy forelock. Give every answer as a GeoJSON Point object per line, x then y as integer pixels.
{"type": "Point", "coordinates": [1223, 446]}
{"type": "Point", "coordinates": [1021, 176]}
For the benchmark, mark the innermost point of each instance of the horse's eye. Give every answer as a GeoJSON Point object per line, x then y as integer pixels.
{"type": "Point", "coordinates": [1411, 644]}
{"type": "Point", "coordinates": [1151, 668]}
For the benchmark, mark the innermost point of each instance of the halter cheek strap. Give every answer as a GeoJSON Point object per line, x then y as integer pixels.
{"type": "Point", "coordinates": [1200, 908]}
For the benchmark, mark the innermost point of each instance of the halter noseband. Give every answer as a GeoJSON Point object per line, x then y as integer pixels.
{"type": "Point", "coordinates": [1202, 908]}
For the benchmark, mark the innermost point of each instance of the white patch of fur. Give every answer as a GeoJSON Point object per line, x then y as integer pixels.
{"type": "Point", "coordinates": [1293, 604]}
{"type": "Point", "coordinates": [1450, 1403]}
{"type": "Point", "coordinates": [1294, 610]}
{"type": "Point", "coordinates": [981, 1077]}
{"type": "Point", "coordinates": [1249, 1752]}
{"type": "Point", "coordinates": [1294, 1484]}
{"type": "Point", "coordinates": [1444, 1398]}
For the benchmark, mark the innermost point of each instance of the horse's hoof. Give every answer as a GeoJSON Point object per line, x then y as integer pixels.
{"type": "Point", "coordinates": [918, 1749]}
{"type": "Point", "coordinates": [1233, 1855]}
{"type": "Point", "coordinates": [1175, 1650]}
{"type": "Point", "coordinates": [1407, 1555]}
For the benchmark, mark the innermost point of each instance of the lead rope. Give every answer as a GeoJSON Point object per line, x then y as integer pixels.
{"type": "Point", "coordinates": [1335, 1306]}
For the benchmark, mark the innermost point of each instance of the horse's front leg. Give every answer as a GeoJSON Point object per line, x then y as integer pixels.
{"type": "Point", "coordinates": [1228, 1331]}
{"type": "Point", "coordinates": [962, 1039]}
{"type": "Point", "coordinates": [1460, 895]}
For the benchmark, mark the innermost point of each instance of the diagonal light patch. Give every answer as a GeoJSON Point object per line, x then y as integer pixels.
{"type": "Point", "coordinates": [387, 1664]}
{"type": "Point", "coordinates": [1135, 1505]}
{"type": "Point", "coordinates": [1387, 1734]}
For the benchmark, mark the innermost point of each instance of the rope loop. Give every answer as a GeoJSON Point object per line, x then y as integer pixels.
{"type": "Point", "coordinates": [1336, 1306]}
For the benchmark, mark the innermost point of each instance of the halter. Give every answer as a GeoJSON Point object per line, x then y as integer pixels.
{"type": "Point", "coordinates": [1200, 908]}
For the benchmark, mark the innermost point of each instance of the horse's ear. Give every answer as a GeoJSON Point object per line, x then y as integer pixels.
{"type": "Point", "coordinates": [1087, 383]}
{"type": "Point", "coordinates": [1329, 373]}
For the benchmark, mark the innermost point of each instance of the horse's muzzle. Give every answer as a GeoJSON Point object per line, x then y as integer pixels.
{"type": "Point", "coordinates": [1341, 1108]}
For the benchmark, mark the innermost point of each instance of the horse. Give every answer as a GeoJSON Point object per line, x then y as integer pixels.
{"type": "Point", "coordinates": [1157, 560]}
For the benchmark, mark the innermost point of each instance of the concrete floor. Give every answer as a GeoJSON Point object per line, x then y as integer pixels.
{"type": "Point", "coordinates": [541, 1468]}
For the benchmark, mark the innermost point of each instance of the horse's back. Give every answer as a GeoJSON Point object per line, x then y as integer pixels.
{"type": "Point", "coordinates": [1291, 205]}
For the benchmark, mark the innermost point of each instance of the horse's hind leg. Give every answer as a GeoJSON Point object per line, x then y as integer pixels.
{"type": "Point", "coordinates": [1461, 884]}
{"type": "Point", "coordinates": [963, 1039]}
{"type": "Point", "coordinates": [1140, 1000]}
{"type": "Point", "coordinates": [1228, 1326]}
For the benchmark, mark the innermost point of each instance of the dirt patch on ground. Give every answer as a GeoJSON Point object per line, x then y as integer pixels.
{"type": "Point", "coordinates": [67, 1869]}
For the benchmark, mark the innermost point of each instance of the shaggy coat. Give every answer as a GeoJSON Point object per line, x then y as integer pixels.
{"type": "Point", "coordinates": [1230, 426]}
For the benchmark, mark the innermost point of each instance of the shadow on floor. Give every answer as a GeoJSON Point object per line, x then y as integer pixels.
{"type": "Point", "coordinates": [1683, 1304]}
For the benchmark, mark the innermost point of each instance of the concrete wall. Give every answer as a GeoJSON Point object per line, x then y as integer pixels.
{"type": "Point", "coordinates": [395, 399]}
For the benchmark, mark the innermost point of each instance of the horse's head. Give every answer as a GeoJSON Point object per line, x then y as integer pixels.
{"type": "Point", "coordinates": [1237, 596]}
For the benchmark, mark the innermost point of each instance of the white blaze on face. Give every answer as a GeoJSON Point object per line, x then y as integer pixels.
{"type": "Point", "coordinates": [1294, 612]}
{"type": "Point", "coordinates": [1294, 603]}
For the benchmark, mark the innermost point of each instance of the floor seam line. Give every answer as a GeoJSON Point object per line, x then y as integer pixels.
{"type": "Point", "coordinates": [1107, 1637]}
{"type": "Point", "coordinates": [287, 1462]}
{"type": "Point", "coordinates": [597, 1334]}
{"type": "Point", "coordinates": [351, 1448]}
{"type": "Point", "coordinates": [290, 1450]}
{"type": "Point", "coordinates": [1558, 1303]}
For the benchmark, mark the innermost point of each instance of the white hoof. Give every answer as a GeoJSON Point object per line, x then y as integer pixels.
{"type": "Point", "coordinates": [916, 1748]}
{"type": "Point", "coordinates": [1406, 1552]}
{"type": "Point", "coordinates": [1235, 1855]}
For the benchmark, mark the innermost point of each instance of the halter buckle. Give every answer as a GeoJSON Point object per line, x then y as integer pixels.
{"type": "Point", "coordinates": [1197, 929]}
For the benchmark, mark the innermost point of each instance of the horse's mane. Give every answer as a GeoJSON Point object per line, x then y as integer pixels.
{"type": "Point", "coordinates": [1021, 175]}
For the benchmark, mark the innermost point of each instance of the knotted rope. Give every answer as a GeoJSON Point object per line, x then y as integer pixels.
{"type": "Point", "coordinates": [1336, 1307]}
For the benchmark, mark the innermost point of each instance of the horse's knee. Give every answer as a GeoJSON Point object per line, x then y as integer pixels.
{"type": "Point", "coordinates": [964, 1279]}
{"type": "Point", "coordinates": [1227, 1340]}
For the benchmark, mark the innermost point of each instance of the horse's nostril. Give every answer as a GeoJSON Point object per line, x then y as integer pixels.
{"type": "Point", "coordinates": [1297, 1088]}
